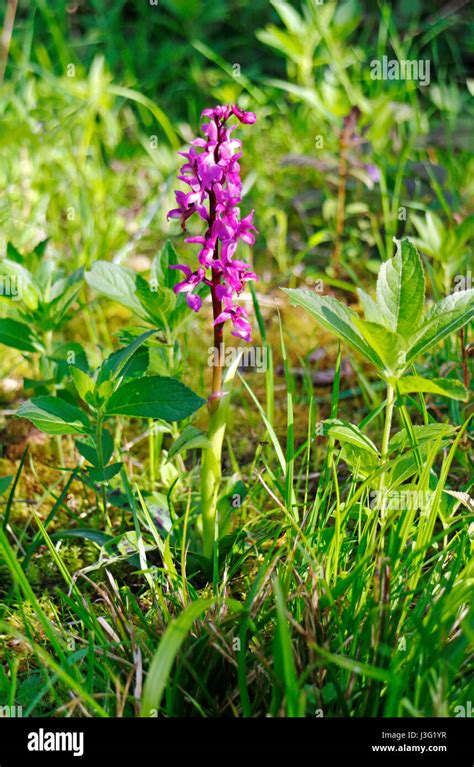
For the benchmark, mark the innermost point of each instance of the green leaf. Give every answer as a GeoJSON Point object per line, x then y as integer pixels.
{"type": "Point", "coordinates": [157, 302]}
{"type": "Point", "coordinates": [5, 483]}
{"type": "Point", "coordinates": [360, 461]}
{"type": "Point", "coordinates": [154, 397]}
{"type": "Point", "coordinates": [427, 433]}
{"type": "Point", "coordinates": [22, 284]}
{"type": "Point", "coordinates": [444, 318]}
{"type": "Point", "coordinates": [117, 283]}
{"type": "Point", "coordinates": [189, 438]}
{"type": "Point", "coordinates": [84, 384]}
{"type": "Point", "coordinates": [447, 387]}
{"type": "Point", "coordinates": [371, 310]}
{"type": "Point", "coordinates": [166, 653]}
{"type": "Point", "coordinates": [387, 345]}
{"type": "Point", "coordinates": [348, 432]}
{"type": "Point", "coordinates": [401, 289]}
{"type": "Point", "coordinates": [160, 271]}
{"type": "Point", "coordinates": [88, 448]}
{"type": "Point", "coordinates": [96, 536]}
{"type": "Point", "coordinates": [54, 416]}
{"type": "Point", "coordinates": [105, 474]}
{"type": "Point", "coordinates": [115, 363]}
{"type": "Point", "coordinates": [18, 336]}
{"type": "Point", "coordinates": [336, 317]}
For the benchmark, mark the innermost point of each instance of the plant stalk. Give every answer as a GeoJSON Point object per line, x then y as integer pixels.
{"type": "Point", "coordinates": [386, 438]}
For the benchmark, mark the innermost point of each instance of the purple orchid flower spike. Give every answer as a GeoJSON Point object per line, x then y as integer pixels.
{"type": "Point", "coordinates": [212, 172]}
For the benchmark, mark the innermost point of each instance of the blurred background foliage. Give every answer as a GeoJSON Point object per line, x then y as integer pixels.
{"type": "Point", "coordinates": [99, 94]}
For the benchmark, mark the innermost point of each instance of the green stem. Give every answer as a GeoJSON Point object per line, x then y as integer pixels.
{"type": "Point", "coordinates": [211, 467]}
{"type": "Point", "coordinates": [386, 437]}
{"type": "Point", "coordinates": [100, 455]}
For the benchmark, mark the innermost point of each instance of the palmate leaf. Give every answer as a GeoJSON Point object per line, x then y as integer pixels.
{"type": "Point", "coordinates": [337, 318]}
{"type": "Point", "coordinates": [447, 387]}
{"type": "Point", "coordinates": [154, 397]}
{"type": "Point", "coordinates": [401, 289]}
{"type": "Point", "coordinates": [445, 317]}
{"type": "Point", "coordinates": [54, 416]}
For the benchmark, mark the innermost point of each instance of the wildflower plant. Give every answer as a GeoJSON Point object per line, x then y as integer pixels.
{"type": "Point", "coordinates": [396, 331]}
{"type": "Point", "coordinates": [212, 173]}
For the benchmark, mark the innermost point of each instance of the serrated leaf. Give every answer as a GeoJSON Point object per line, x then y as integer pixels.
{"type": "Point", "coordinates": [401, 289]}
{"type": "Point", "coordinates": [336, 317]}
{"type": "Point", "coordinates": [447, 387]}
{"type": "Point", "coordinates": [445, 317]}
{"type": "Point", "coordinates": [154, 397]}
{"type": "Point", "coordinates": [54, 416]}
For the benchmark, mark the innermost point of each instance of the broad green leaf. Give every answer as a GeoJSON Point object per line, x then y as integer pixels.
{"type": "Point", "coordinates": [156, 301]}
{"type": "Point", "coordinates": [114, 365]}
{"type": "Point", "coordinates": [105, 474]}
{"type": "Point", "coordinates": [54, 416]}
{"type": "Point", "coordinates": [447, 387]}
{"type": "Point", "coordinates": [371, 310]}
{"type": "Point", "coordinates": [88, 448]}
{"type": "Point", "coordinates": [154, 397]}
{"type": "Point", "coordinates": [17, 335]}
{"type": "Point", "coordinates": [117, 283]}
{"type": "Point", "coordinates": [348, 432]}
{"type": "Point", "coordinates": [389, 346]}
{"type": "Point", "coordinates": [189, 438]}
{"type": "Point", "coordinates": [336, 317]}
{"type": "Point", "coordinates": [426, 433]}
{"type": "Point", "coordinates": [84, 384]}
{"type": "Point", "coordinates": [160, 271]}
{"type": "Point", "coordinates": [444, 318]}
{"type": "Point", "coordinates": [166, 653]}
{"type": "Point", "coordinates": [362, 462]}
{"type": "Point", "coordinates": [401, 289]}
